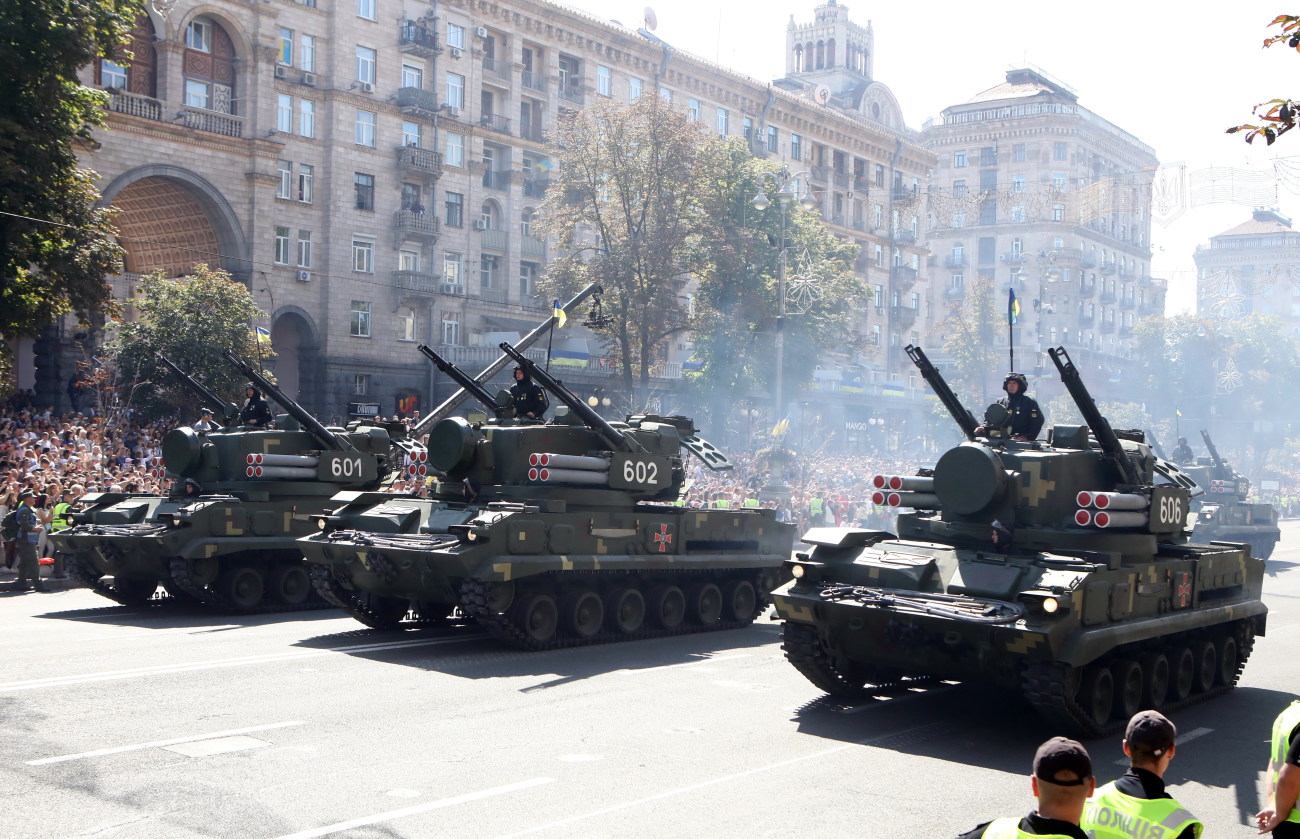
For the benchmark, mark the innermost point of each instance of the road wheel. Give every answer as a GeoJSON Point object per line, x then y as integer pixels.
{"type": "Point", "coordinates": [1128, 688]}
{"type": "Point", "coordinates": [583, 613]}
{"type": "Point", "coordinates": [500, 596]}
{"type": "Point", "coordinates": [1228, 661]}
{"type": "Point", "coordinates": [667, 606]}
{"type": "Point", "coordinates": [1097, 693]}
{"type": "Point", "coordinates": [1182, 673]}
{"type": "Point", "coordinates": [704, 603]}
{"type": "Point", "coordinates": [244, 586]}
{"type": "Point", "coordinates": [204, 571]}
{"type": "Point", "coordinates": [1207, 665]}
{"type": "Point", "coordinates": [624, 610]}
{"type": "Point", "coordinates": [538, 617]}
{"type": "Point", "coordinates": [1155, 680]}
{"type": "Point", "coordinates": [133, 591]}
{"type": "Point", "coordinates": [739, 600]}
{"type": "Point", "coordinates": [290, 584]}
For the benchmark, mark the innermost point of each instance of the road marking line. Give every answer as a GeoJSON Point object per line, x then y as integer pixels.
{"type": "Point", "coordinates": [157, 744]}
{"type": "Point", "coordinates": [419, 808]}
{"type": "Point", "coordinates": [1181, 739]}
{"type": "Point", "coordinates": [633, 671]}
{"type": "Point", "coordinates": [267, 658]}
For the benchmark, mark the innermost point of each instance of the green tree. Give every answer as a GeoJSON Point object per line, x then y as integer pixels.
{"type": "Point", "coordinates": [1278, 115]}
{"type": "Point", "coordinates": [969, 340]}
{"type": "Point", "coordinates": [55, 246]}
{"type": "Point", "coordinates": [193, 321]}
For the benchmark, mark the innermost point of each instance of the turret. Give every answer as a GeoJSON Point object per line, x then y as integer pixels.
{"type": "Point", "coordinates": [228, 411]}
{"type": "Point", "coordinates": [1101, 429]}
{"type": "Point", "coordinates": [470, 385]}
{"type": "Point", "coordinates": [327, 439]}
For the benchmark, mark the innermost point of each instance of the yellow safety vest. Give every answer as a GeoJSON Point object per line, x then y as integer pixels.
{"type": "Point", "coordinates": [1110, 814]}
{"type": "Point", "coordinates": [721, 504]}
{"type": "Point", "coordinates": [751, 502]}
{"type": "Point", "coordinates": [1010, 829]}
{"type": "Point", "coordinates": [59, 521]}
{"type": "Point", "coordinates": [1285, 723]}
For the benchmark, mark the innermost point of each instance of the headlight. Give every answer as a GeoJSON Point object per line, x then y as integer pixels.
{"type": "Point", "coordinates": [797, 571]}
{"type": "Point", "coordinates": [1050, 605]}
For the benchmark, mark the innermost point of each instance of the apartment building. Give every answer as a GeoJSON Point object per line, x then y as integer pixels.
{"type": "Point", "coordinates": [1251, 269]}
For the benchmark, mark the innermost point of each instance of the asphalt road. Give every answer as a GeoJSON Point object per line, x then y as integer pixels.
{"type": "Point", "coordinates": [159, 723]}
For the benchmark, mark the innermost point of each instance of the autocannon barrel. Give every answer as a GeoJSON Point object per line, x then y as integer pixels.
{"type": "Point", "coordinates": [216, 403]}
{"type": "Point", "coordinates": [949, 399]}
{"type": "Point", "coordinates": [1092, 415]}
{"type": "Point", "coordinates": [468, 383]}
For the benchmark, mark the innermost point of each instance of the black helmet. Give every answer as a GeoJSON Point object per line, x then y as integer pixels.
{"type": "Point", "coordinates": [519, 368]}
{"type": "Point", "coordinates": [253, 386]}
{"type": "Point", "coordinates": [1018, 378]}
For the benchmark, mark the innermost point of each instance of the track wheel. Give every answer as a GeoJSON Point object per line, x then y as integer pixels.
{"type": "Point", "coordinates": [134, 591]}
{"type": "Point", "coordinates": [1207, 665]}
{"type": "Point", "coordinates": [1097, 694]}
{"type": "Point", "coordinates": [1155, 679]}
{"type": "Point", "coordinates": [538, 617]}
{"type": "Point", "coordinates": [704, 603]}
{"type": "Point", "coordinates": [739, 600]}
{"type": "Point", "coordinates": [1128, 688]}
{"type": "Point", "coordinates": [1228, 661]}
{"type": "Point", "coordinates": [500, 596]}
{"type": "Point", "coordinates": [667, 606]}
{"type": "Point", "coordinates": [584, 613]}
{"type": "Point", "coordinates": [379, 612]}
{"type": "Point", "coordinates": [204, 571]}
{"type": "Point", "coordinates": [290, 584]}
{"type": "Point", "coordinates": [624, 610]}
{"type": "Point", "coordinates": [244, 586]}
{"type": "Point", "coordinates": [1182, 673]}
{"type": "Point", "coordinates": [836, 675]}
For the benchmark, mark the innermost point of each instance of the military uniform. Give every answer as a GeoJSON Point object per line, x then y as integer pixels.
{"type": "Point", "coordinates": [255, 411]}
{"type": "Point", "coordinates": [528, 397]}
{"type": "Point", "coordinates": [1026, 416]}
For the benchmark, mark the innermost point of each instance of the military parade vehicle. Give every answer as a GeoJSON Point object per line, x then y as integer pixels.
{"type": "Point", "coordinates": [1223, 514]}
{"type": "Point", "coordinates": [565, 532]}
{"type": "Point", "coordinates": [1060, 569]}
{"type": "Point", "coordinates": [225, 533]}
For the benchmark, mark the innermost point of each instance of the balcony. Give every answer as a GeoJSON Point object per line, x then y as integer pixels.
{"type": "Point", "coordinates": [535, 187]}
{"type": "Point", "coordinates": [496, 68]}
{"type": "Point", "coordinates": [417, 40]}
{"type": "Point", "coordinates": [842, 179]}
{"type": "Point", "coordinates": [497, 240]}
{"type": "Point", "coordinates": [905, 237]}
{"type": "Point", "coordinates": [1106, 327]}
{"type": "Point", "coordinates": [135, 105]}
{"type": "Point", "coordinates": [532, 246]}
{"type": "Point", "coordinates": [415, 225]}
{"type": "Point", "coordinates": [1127, 302]}
{"type": "Point", "coordinates": [532, 133]}
{"type": "Point", "coordinates": [1087, 288]}
{"type": "Point", "coordinates": [1149, 309]}
{"type": "Point", "coordinates": [1109, 268]}
{"type": "Point", "coordinates": [572, 93]}
{"type": "Point", "coordinates": [224, 124]}
{"type": "Point", "coordinates": [955, 261]}
{"type": "Point", "coordinates": [417, 282]}
{"type": "Point", "coordinates": [424, 161]}
{"type": "Point", "coordinates": [494, 179]}
{"type": "Point", "coordinates": [902, 316]}
{"type": "Point", "coordinates": [1108, 297]}
{"type": "Point", "coordinates": [904, 194]}
{"type": "Point", "coordinates": [1086, 320]}
{"type": "Point", "coordinates": [533, 81]}
{"type": "Point", "coordinates": [820, 173]}
{"type": "Point", "coordinates": [904, 276]}
{"type": "Point", "coordinates": [416, 102]}
{"type": "Point", "coordinates": [955, 292]}
{"type": "Point", "coordinates": [1013, 257]}
{"type": "Point", "coordinates": [495, 122]}
{"type": "Point", "coordinates": [1087, 261]}
{"type": "Point", "coordinates": [494, 295]}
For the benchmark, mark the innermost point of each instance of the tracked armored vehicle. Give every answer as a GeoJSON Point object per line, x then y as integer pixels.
{"type": "Point", "coordinates": [1090, 601]}
{"type": "Point", "coordinates": [572, 531]}
{"type": "Point", "coordinates": [225, 534]}
{"type": "Point", "coordinates": [1223, 514]}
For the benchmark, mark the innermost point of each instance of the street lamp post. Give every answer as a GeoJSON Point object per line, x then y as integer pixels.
{"type": "Point", "coordinates": [783, 181]}
{"type": "Point", "coordinates": [1047, 273]}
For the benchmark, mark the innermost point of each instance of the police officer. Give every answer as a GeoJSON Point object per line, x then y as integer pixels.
{"type": "Point", "coordinates": [1062, 782]}
{"type": "Point", "coordinates": [1137, 803]}
{"type": "Point", "coordinates": [1283, 816]}
{"type": "Point", "coordinates": [255, 411]}
{"type": "Point", "coordinates": [1026, 417]}
{"type": "Point", "coordinates": [29, 537]}
{"type": "Point", "coordinates": [1183, 452]}
{"type": "Point", "coordinates": [529, 398]}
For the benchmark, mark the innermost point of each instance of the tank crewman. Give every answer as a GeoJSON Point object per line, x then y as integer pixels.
{"type": "Point", "coordinates": [529, 399]}
{"type": "Point", "coordinates": [255, 411]}
{"type": "Point", "coordinates": [1183, 453]}
{"type": "Point", "coordinates": [1137, 804]}
{"type": "Point", "coordinates": [1062, 782]}
{"type": "Point", "coordinates": [1026, 416]}
{"type": "Point", "coordinates": [1282, 817]}
{"type": "Point", "coordinates": [1002, 536]}
{"type": "Point", "coordinates": [205, 423]}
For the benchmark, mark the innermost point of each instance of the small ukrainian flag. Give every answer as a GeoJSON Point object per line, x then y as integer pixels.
{"type": "Point", "coordinates": [557, 312]}
{"type": "Point", "coordinates": [262, 335]}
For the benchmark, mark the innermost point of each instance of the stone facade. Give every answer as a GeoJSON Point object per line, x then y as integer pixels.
{"type": "Point", "coordinates": [1251, 269]}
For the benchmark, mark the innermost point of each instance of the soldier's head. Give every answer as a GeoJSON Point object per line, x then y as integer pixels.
{"type": "Point", "coordinates": [521, 375]}
{"type": "Point", "coordinates": [1015, 383]}
{"type": "Point", "coordinates": [250, 390]}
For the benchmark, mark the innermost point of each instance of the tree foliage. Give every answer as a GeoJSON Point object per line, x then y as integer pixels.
{"type": "Point", "coordinates": [193, 321]}
{"type": "Point", "coordinates": [969, 331]}
{"type": "Point", "coordinates": [55, 246]}
{"type": "Point", "coordinates": [1278, 115]}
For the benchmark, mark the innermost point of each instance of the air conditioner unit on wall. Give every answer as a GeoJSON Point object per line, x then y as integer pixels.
{"type": "Point", "coordinates": [281, 71]}
{"type": "Point", "coordinates": [455, 52]}
{"type": "Point", "coordinates": [365, 87]}
{"type": "Point", "coordinates": [304, 276]}
{"type": "Point", "coordinates": [479, 224]}
{"type": "Point", "coordinates": [480, 31]}
{"type": "Point", "coordinates": [309, 79]}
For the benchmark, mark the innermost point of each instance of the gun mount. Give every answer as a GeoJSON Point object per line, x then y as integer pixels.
{"type": "Point", "coordinates": [1223, 513]}
{"type": "Point", "coordinates": [326, 438]}
{"type": "Point", "coordinates": [470, 385]}
{"type": "Point", "coordinates": [965, 420]}
{"type": "Point", "coordinates": [1101, 429]}
{"type": "Point", "coordinates": [228, 411]}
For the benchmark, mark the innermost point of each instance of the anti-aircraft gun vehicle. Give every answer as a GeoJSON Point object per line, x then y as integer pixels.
{"type": "Point", "coordinates": [572, 531]}
{"type": "Point", "coordinates": [1090, 602]}
{"type": "Point", "coordinates": [225, 533]}
{"type": "Point", "coordinates": [1223, 514]}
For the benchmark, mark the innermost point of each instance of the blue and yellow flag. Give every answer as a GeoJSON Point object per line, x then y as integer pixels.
{"type": "Point", "coordinates": [262, 335]}
{"type": "Point", "coordinates": [557, 312]}
{"type": "Point", "coordinates": [1013, 307]}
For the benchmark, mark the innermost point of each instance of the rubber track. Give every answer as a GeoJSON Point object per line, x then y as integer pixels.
{"type": "Point", "coordinates": [473, 602]}
{"type": "Point", "coordinates": [210, 598]}
{"type": "Point", "coordinates": [93, 580]}
{"type": "Point", "coordinates": [334, 594]}
{"type": "Point", "coordinates": [803, 648]}
{"type": "Point", "coordinates": [1047, 686]}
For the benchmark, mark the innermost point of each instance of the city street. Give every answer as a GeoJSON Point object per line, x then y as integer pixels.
{"type": "Point", "coordinates": [167, 723]}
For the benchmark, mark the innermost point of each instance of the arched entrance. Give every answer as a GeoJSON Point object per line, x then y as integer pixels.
{"type": "Point", "coordinates": [297, 357]}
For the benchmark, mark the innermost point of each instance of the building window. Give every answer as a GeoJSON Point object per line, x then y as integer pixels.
{"type": "Point", "coordinates": [455, 203]}
{"type": "Point", "coordinates": [281, 246]}
{"type": "Point", "coordinates": [306, 182]}
{"type": "Point", "coordinates": [452, 262]}
{"type": "Point", "coordinates": [796, 147]}
{"type": "Point", "coordinates": [527, 279]}
{"type": "Point", "coordinates": [988, 156]}
{"type": "Point", "coordinates": [286, 46]}
{"type": "Point", "coordinates": [1018, 153]}
{"type": "Point", "coordinates": [722, 122]}
{"type": "Point", "coordinates": [451, 328]}
{"type": "Point", "coordinates": [604, 80]}
{"type": "Point", "coordinates": [747, 128]}
{"type": "Point", "coordinates": [284, 113]}
{"type": "Point", "coordinates": [1058, 151]}
{"type": "Point", "coordinates": [489, 269]}
{"type": "Point", "coordinates": [880, 175]}
{"type": "Point", "coordinates": [360, 384]}
{"type": "Point", "coordinates": [959, 218]}
{"type": "Point", "coordinates": [634, 87]}
{"type": "Point", "coordinates": [455, 154]}
{"type": "Point", "coordinates": [307, 52]}
{"type": "Point", "coordinates": [1018, 214]}
{"type": "Point", "coordinates": [406, 324]}
{"type": "Point", "coordinates": [411, 134]}
{"type": "Point", "coordinates": [198, 35]}
{"type": "Point", "coordinates": [1058, 181]}
{"type": "Point", "coordinates": [1058, 212]}
{"type": "Point", "coordinates": [693, 110]}
{"type": "Point", "coordinates": [304, 248]}
{"type": "Point", "coordinates": [408, 260]}
{"type": "Point", "coordinates": [916, 300]}
{"type": "Point", "coordinates": [365, 190]}
{"type": "Point", "coordinates": [958, 159]}
{"type": "Point", "coordinates": [957, 282]}
{"type": "Point", "coordinates": [1018, 183]}
{"type": "Point", "coordinates": [412, 76]}
{"type": "Point", "coordinates": [456, 36]}
{"type": "Point", "coordinates": [363, 256]}
{"type": "Point", "coordinates": [665, 94]}
{"type": "Point", "coordinates": [285, 171]}
{"type": "Point", "coordinates": [198, 94]}
{"type": "Point", "coordinates": [112, 74]}
{"type": "Point", "coordinates": [365, 129]}
{"type": "Point", "coordinates": [365, 65]}
{"type": "Point", "coordinates": [455, 91]}
{"type": "Point", "coordinates": [879, 252]}
{"type": "Point", "coordinates": [366, 9]}
{"type": "Point", "coordinates": [958, 188]}
{"type": "Point", "coordinates": [772, 141]}
{"type": "Point", "coordinates": [878, 295]}
{"type": "Point", "coordinates": [306, 118]}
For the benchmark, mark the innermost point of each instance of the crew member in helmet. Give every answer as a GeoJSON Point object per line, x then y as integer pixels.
{"type": "Point", "coordinates": [1026, 418]}
{"type": "Point", "coordinates": [255, 411]}
{"type": "Point", "coordinates": [1183, 452]}
{"type": "Point", "coordinates": [529, 399]}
